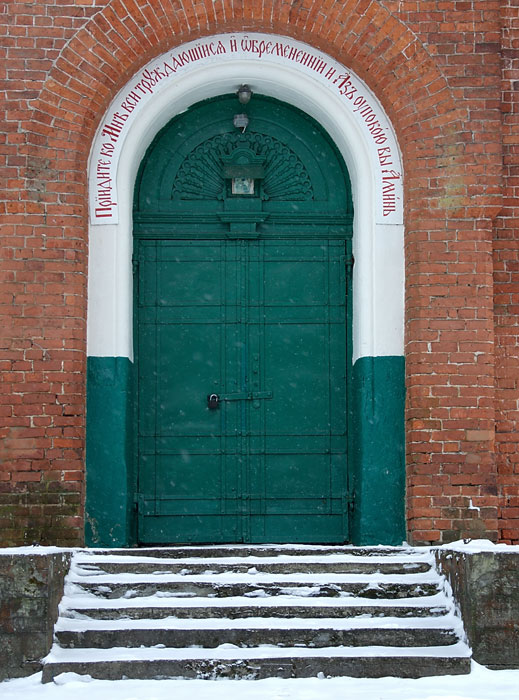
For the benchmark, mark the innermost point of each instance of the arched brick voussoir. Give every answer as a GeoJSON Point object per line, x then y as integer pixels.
{"type": "Point", "coordinates": [362, 34]}
{"type": "Point", "coordinates": [124, 36]}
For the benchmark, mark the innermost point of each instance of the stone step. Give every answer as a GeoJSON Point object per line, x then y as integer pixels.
{"type": "Point", "coordinates": [254, 584]}
{"type": "Point", "coordinates": [281, 636]}
{"type": "Point", "coordinates": [256, 612]}
{"type": "Point", "coordinates": [259, 662]}
{"type": "Point", "coordinates": [190, 567]}
{"type": "Point", "coordinates": [295, 588]}
{"type": "Point", "coordinates": [216, 551]}
{"type": "Point", "coordinates": [283, 608]}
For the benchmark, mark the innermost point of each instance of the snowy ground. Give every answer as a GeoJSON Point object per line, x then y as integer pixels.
{"type": "Point", "coordinates": [481, 684]}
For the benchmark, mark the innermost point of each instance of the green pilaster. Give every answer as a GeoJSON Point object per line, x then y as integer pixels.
{"type": "Point", "coordinates": [377, 449]}
{"type": "Point", "coordinates": [109, 488]}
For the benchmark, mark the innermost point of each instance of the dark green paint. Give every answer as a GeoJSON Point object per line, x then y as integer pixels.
{"type": "Point", "coordinates": [241, 279]}
{"type": "Point", "coordinates": [109, 486]}
{"type": "Point", "coordinates": [244, 296]}
{"type": "Point", "coordinates": [262, 324]}
{"type": "Point", "coordinates": [377, 450]}
{"type": "Point", "coordinates": [184, 189]}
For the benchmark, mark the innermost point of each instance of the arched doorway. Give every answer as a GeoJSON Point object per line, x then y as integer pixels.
{"type": "Point", "coordinates": [242, 259]}
{"type": "Point", "coordinates": [376, 370]}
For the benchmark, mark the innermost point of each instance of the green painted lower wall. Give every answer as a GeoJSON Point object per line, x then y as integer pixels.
{"type": "Point", "coordinates": [376, 448]}
{"type": "Point", "coordinates": [109, 485]}
{"type": "Point", "coordinates": [377, 454]}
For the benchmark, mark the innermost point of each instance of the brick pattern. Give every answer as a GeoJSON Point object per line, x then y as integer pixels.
{"type": "Point", "coordinates": [43, 292]}
{"type": "Point", "coordinates": [445, 74]}
{"type": "Point", "coordinates": [452, 483]}
{"type": "Point", "coordinates": [506, 281]}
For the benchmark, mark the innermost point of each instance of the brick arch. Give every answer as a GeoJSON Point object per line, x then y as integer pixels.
{"type": "Point", "coordinates": [430, 124]}
{"type": "Point", "coordinates": [113, 45]}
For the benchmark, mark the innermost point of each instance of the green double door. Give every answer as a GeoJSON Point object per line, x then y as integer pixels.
{"type": "Point", "coordinates": [241, 353]}
{"type": "Point", "coordinates": [242, 243]}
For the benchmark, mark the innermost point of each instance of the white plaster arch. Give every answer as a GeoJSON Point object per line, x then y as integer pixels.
{"type": "Point", "coordinates": [290, 71]}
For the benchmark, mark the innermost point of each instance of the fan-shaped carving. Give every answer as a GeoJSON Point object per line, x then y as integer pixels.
{"type": "Point", "coordinates": [201, 174]}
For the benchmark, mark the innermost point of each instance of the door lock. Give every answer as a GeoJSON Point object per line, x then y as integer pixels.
{"type": "Point", "coordinates": [213, 401]}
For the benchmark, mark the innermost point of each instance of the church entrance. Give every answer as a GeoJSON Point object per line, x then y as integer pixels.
{"type": "Point", "coordinates": [242, 301]}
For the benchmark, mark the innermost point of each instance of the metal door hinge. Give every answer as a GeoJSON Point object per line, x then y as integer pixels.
{"type": "Point", "coordinates": [350, 501]}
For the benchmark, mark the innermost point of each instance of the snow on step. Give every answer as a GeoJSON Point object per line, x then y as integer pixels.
{"type": "Point", "coordinates": [449, 621]}
{"type": "Point", "coordinates": [256, 578]}
{"type": "Point", "coordinates": [85, 599]}
{"type": "Point", "coordinates": [231, 651]}
{"type": "Point", "coordinates": [278, 619]}
{"type": "Point", "coordinates": [225, 550]}
{"type": "Point", "coordinates": [336, 558]}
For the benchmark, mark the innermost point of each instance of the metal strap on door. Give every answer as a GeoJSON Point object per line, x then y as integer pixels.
{"type": "Point", "coordinates": [214, 400]}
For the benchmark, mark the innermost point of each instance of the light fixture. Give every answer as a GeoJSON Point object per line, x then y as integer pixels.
{"type": "Point", "coordinates": [244, 94]}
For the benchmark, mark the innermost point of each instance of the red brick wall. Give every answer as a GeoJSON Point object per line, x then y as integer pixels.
{"type": "Point", "coordinates": [444, 72]}
{"type": "Point", "coordinates": [506, 285]}
{"type": "Point", "coordinates": [43, 290]}
{"type": "Point", "coordinates": [450, 336]}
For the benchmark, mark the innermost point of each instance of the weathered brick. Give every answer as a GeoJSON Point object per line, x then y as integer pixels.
{"type": "Point", "coordinates": [447, 75]}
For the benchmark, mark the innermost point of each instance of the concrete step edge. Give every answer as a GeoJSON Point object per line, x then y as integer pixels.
{"type": "Point", "coordinates": [255, 669]}
{"type": "Point", "coordinates": [227, 577]}
{"type": "Point", "coordinates": [259, 550]}
{"type": "Point", "coordinates": [83, 558]}
{"type": "Point", "coordinates": [88, 601]}
{"type": "Point", "coordinates": [444, 623]}
{"type": "Point", "coordinates": [233, 653]}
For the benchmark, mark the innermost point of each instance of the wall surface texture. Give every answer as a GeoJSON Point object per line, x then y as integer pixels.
{"type": "Point", "coordinates": [486, 589]}
{"type": "Point", "coordinates": [31, 586]}
{"type": "Point", "coordinates": [446, 73]}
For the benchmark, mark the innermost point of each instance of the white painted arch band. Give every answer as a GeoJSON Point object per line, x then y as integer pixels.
{"type": "Point", "coordinates": [295, 73]}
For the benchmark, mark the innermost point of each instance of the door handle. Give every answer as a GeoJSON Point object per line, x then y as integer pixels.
{"type": "Point", "coordinates": [247, 396]}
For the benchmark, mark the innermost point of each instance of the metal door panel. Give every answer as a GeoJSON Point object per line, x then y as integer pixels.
{"type": "Point", "coordinates": [243, 318]}
{"type": "Point", "coordinates": [244, 297]}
